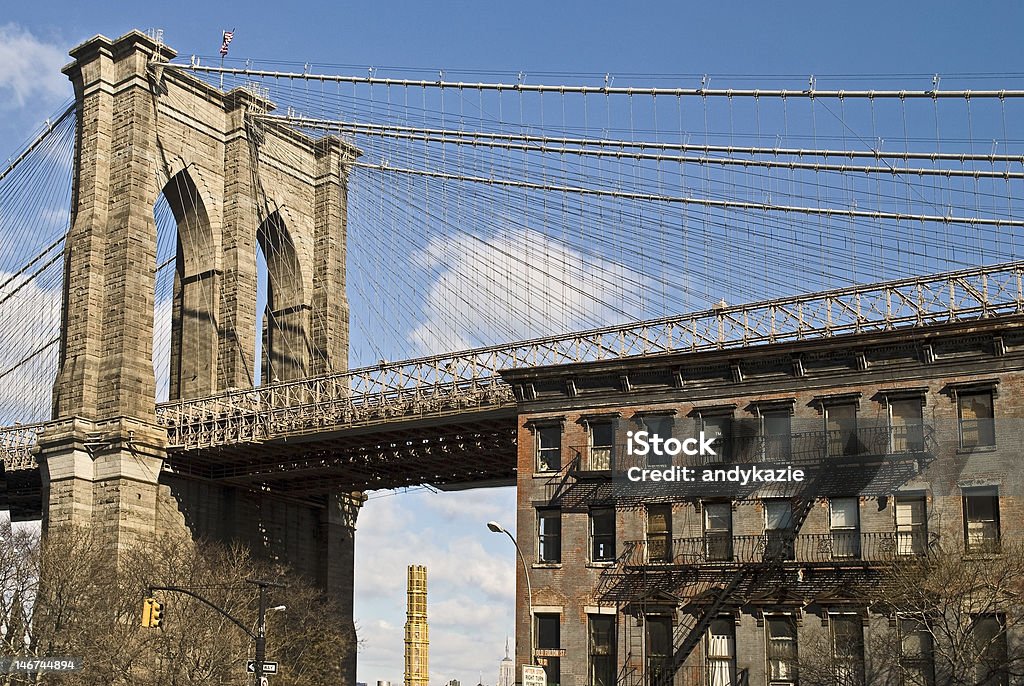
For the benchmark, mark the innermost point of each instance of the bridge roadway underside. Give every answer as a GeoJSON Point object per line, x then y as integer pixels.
{"type": "Point", "coordinates": [451, 452]}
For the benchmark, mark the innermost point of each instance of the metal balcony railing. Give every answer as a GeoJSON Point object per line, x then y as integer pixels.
{"type": "Point", "coordinates": [828, 548]}
{"type": "Point", "coordinates": [721, 672]}
{"type": "Point", "coordinates": [803, 449]}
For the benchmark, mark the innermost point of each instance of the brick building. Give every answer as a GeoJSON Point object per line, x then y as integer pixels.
{"type": "Point", "coordinates": [908, 440]}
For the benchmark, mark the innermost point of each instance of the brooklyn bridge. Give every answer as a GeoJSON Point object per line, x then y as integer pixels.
{"type": "Point", "coordinates": [279, 289]}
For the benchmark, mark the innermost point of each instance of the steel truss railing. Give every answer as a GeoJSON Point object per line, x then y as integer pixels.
{"type": "Point", "coordinates": [441, 384]}
{"type": "Point", "coordinates": [838, 546]}
{"type": "Point", "coordinates": [470, 380]}
{"type": "Point", "coordinates": [16, 445]}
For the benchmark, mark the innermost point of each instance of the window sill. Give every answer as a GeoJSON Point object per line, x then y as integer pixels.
{"type": "Point", "coordinates": [545, 475]}
{"type": "Point", "coordinates": [976, 449]}
{"type": "Point", "coordinates": [601, 565]}
{"type": "Point", "coordinates": [546, 565]}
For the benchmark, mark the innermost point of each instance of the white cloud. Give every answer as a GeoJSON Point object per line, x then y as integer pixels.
{"type": "Point", "coordinates": [470, 581]}
{"type": "Point", "coordinates": [30, 68]}
{"type": "Point", "coordinates": [522, 284]}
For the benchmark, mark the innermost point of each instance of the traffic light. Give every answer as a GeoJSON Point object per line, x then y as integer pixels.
{"type": "Point", "coordinates": [152, 613]}
{"type": "Point", "coordinates": [147, 612]}
{"type": "Point", "coordinates": [156, 618]}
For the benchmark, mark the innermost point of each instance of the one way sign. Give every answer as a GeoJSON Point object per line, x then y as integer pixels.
{"type": "Point", "coordinates": [268, 667]}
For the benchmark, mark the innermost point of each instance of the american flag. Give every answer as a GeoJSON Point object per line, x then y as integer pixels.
{"type": "Point", "coordinates": [227, 36]}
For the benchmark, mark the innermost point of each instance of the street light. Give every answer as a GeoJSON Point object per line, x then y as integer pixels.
{"type": "Point", "coordinates": [499, 529]}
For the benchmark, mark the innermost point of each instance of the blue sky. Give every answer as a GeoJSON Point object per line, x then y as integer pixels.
{"type": "Point", "coordinates": [472, 571]}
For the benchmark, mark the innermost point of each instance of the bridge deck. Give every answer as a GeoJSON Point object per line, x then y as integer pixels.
{"type": "Point", "coordinates": [450, 418]}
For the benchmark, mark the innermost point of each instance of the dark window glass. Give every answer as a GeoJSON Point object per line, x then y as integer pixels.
{"type": "Point", "coordinates": [549, 448]}
{"type": "Point", "coordinates": [659, 649]}
{"type": "Point", "coordinates": [917, 663]}
{"type": "Point", "coordinates": [549, 635]}
{"type": "Point", "coordinates": [778, 530]}
{"type": "Point", "coordinates": [848, 649]}
{"type": "Point", "coordinates": [602, 650]}
{"type": "Point", "coordinates": [776, 434]}
{"type": "Point", "coordinates": [602, 535]}
{"type": "Point", "coordinates": [661, 426]}
{"type": "Point", "coordinates": [989, 634]}
{"type": "Point", "coordinates": [549, 535]}
{"type": "Point", "coordinates": [841, 428]}
{"type": "Point", "coordinates": [719, 429]}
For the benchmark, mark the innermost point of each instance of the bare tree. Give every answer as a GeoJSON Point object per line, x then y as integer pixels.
{"type": "Point", "coordinates": [66, 595]}
{"type": "Point", "coordinates": [941, 618]}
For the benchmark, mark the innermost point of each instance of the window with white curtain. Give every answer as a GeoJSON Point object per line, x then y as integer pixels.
{"type": "Point", "coordinates": [721, 652]}
{"type": "Point", "coordinates": [911, 525]}
{"type": "Point", "coordinates": [844, 524]}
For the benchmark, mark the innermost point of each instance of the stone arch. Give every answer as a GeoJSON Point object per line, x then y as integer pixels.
{"type": "Point", "coordinates": [196, 295]}
{"type": "Point", "coordinates": [286, 320]}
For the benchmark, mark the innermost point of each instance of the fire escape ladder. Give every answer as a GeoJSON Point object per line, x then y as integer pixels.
{"type": "Point", "coordinates": [562, 480]}
{"type": "Point", "coordinates": [696, 634]}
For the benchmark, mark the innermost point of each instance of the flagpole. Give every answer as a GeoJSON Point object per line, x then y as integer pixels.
{"type": "Point", "coordinates": [224, 41]}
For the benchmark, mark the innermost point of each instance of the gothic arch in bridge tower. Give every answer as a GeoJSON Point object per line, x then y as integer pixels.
{"type": "Point", "coordinates": [196, 293]}
{"type": "Point", "coordinates": [286, 320]}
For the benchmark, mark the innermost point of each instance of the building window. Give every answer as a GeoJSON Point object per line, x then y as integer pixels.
{"type": "Point", "coordinates": [906, 425]}
{"type": "Point", "coordinates": [659, 649]}
{"type": "Point", "coordinates": [847, 649]}
{"type": "Point", "coordinates": [917, 662]}
{"type": "Point", "coordinates": [659, 533]}
{"type": "Point", "coordinates": [781, 649]}
{"type": "Point", "coordinates": [602, 445]}
{"type": "Point", "coordinates": [658, 425]}
{"type": "Point", "coordinates": [718, 531]}
{"type": "Point", "coordinates": [721, 652]}
{"type": "Point", "coordinates": [989, 634]}
{"type": "Point", "coordinates": [911, 525]}
{"type": "Point", "coordinates": [977, 427]}
{"type": "Point", "coordinates": [841, 429]}
{"type": "Point", "coordinates": [718, 427]}
{"type": "Point", "coordinates": [981, 520]}
{"type": "Point", "coordinates": [776, 434]}
{"type": "Point", "coordinates": [778, 529]}
{"type": "Point", "coordinates": [549, 448]}
{"type": "Point", "coordinates": [602, 535]}
{"type": "Point", "coordinates": [602, 650]}
{"type": "Point", "coordinates": [549, 640]}
{"type": "Point", "coordinates": [549, 535]}
{"type": "Point", "coordinates": [844, 525]}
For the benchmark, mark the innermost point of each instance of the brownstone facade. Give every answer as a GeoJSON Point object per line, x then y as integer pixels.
{"type": "Point", "coordinates": [908, 438]}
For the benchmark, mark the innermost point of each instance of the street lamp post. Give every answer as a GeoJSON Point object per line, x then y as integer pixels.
{"type": "Point", "coordinates": [261, 627]}
{"type": "Point", "coordinates": [499, 529]}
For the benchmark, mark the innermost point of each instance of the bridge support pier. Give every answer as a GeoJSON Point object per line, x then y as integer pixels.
{"type": "Point", "coordinates": [103, 476]}
{"type": "Point", "coordinates": [235, 185]}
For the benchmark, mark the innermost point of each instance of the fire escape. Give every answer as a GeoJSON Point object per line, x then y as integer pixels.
{"type": "Point", "coordinates": [715, 574]}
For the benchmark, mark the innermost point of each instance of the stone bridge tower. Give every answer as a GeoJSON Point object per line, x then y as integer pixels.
{"type": "Point", "coordinates": [234, 183]}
